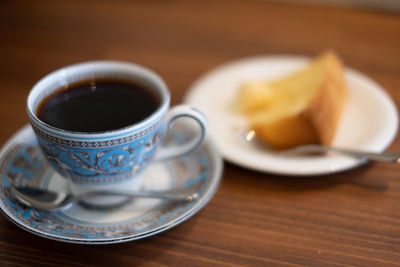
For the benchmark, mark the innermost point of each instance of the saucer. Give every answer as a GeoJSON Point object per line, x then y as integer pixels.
{"type": "Point", "coordinates": [22, 163]}
{"type": "Point", "coordinates": [369, 121]}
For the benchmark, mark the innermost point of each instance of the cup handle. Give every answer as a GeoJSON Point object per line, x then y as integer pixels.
{"type": "Point", "coordinates": [174, 114]}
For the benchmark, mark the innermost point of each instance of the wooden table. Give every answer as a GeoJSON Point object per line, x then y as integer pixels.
{"type": "Point", "coordinates": [255, 219]}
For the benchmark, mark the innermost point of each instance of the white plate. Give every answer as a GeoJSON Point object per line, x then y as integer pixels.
{"type": "Point", "coordinates": [369, 121]}
{"type": "Point", "coordinates": [22, 163]}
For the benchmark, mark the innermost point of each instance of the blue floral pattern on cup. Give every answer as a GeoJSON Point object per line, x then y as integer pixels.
{"type": "Point", "coordinates": [100, 162]}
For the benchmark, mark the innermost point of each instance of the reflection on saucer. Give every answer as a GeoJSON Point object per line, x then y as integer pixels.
{"type": "Point", "coordinates": [21, 162]}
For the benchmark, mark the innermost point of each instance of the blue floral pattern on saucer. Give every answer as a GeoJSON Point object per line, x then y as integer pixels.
{"type": "Point", "coordinates": [21, 162]}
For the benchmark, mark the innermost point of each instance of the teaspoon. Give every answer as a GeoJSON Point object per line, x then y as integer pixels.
{"type": "Point", "coordinates": [54, 200]}
{"type": "Point", "coordinates": [391, 157]}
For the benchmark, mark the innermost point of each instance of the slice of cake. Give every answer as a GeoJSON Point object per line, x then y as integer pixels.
{"type": "Point", "coordinates": [302, 108]}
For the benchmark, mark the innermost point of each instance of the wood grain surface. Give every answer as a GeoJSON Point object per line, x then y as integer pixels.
{"type": "Point", "coordinates": [255, 219]}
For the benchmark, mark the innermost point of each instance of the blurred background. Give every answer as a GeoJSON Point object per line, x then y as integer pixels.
{"type": "Point", "coordinates": [183, 39]}
{"type": "Point", "coordinates": [383, 5]}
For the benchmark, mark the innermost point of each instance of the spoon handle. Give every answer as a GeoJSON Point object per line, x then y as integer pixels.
{"type": "Point", "coordinates": [391, 157]}
{"type": "Point", "coordinates": [142, 194]}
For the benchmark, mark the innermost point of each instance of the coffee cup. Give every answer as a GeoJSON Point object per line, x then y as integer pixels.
{"type": "Point", "coordinates": [85, 151]}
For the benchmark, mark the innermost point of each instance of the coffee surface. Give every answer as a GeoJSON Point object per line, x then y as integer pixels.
{"type": "Point", "coordinates": [97, 106]}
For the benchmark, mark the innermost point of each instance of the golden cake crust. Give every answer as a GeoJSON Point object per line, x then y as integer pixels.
{"type": "Point", "coordinates": [302, 108]}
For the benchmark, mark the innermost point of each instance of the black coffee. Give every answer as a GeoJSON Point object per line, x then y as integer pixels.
{"type": "Point", "coordinates": [97, 106]}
